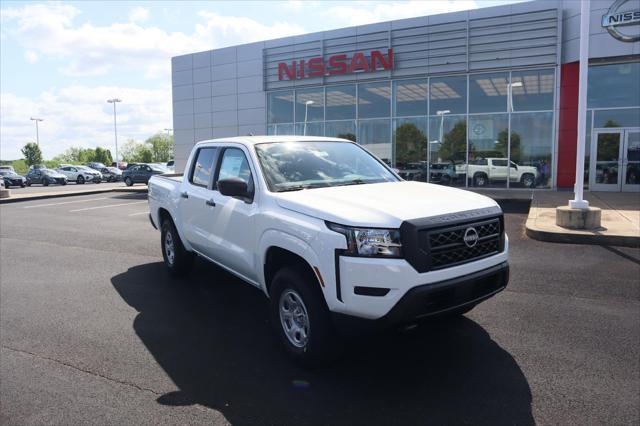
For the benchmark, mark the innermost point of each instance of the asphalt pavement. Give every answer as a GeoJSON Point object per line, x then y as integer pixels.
{"type": "Point", "coordinates": [93, 330]}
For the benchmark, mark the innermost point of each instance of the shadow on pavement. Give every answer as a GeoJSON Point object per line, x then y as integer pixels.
{"type": "Point", "coordinates": [211, 335]}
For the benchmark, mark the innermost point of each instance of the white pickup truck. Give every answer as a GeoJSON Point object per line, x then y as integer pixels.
{"type": "Point", "coordinates": [486, 170]}
{"type": "Point", "coordinates": [330, 234]}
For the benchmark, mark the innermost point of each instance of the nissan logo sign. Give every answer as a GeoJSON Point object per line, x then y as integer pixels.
{"type": "Point", "coordinates": [470, 237]}
{"type": "Point", "coordinates": [618, 17]}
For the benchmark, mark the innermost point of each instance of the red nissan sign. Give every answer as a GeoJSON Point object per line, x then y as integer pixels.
{"type": "Point", "coordinates": [337, 64]}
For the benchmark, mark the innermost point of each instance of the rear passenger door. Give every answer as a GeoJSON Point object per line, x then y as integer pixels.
{"type": "Point", "coordinates": [196, 207]}
{"type": "Point", "coordinates": [231, 225]}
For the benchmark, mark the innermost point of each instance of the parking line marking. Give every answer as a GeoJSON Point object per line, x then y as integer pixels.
{"type": "Point", "coordinates": [139, 213]}
{"type": "Point", "coordinates": [107, 206]}
{"type": "Point", "coordinates": [66, 202]}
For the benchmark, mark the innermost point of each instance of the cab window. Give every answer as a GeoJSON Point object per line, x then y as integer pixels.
{"type": "Point", "coordinates": [234, 164]}
{"type": "Point", "coordinates": [202, 168]}
{"type": "Point", "coordinates": [500, 163]}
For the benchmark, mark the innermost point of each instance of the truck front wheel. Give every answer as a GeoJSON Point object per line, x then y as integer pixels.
{"type": "Point", "coordinates": [301, 318]}
{"type": "Point", "coordinates": [176, 258]}
{"type": "Point", "coordinates": [480, 179]}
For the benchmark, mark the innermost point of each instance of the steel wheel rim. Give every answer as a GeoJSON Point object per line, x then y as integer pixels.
{"type": "Point", "coordinates": [168, 248]}
{"type": "Point", "coordinates": [294, 318]}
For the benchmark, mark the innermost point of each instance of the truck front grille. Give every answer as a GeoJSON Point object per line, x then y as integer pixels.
{"type": "Point", "coordinates": [447, 246]}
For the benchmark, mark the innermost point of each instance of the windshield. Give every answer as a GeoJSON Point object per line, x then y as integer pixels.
{"type": "Point", "coordinates": [292, 166]}
{"type": "Point", "coordinates": [113, 170]}
{"type": "Point", "coordinates": [5, 172]}
{"type": "Point", "coordinates": [157, 168]}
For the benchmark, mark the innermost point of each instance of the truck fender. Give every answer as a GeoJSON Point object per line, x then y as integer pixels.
{"type": "Point", "coordinates": [276, 238]}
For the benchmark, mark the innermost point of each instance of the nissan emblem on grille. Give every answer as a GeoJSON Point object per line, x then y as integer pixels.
{"type": "Point", "coordinates": [470, 237]}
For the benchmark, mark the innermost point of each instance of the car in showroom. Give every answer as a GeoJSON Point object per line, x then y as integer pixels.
{"type": "Point", "coordinates": [111, 174]}
{"type": "Point", "coordinates": [141, 173]}
{"type": "Point", "coordinates": [80, 174]}
{"type": "Point", "coordinates": [331, 235]}
{"type": "Point", "coordinates": [11, 178]}
{"type": "Point", "coordinates": [45, 177]}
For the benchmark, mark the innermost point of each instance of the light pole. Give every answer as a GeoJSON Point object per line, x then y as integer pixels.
{"type": "Point", "coordinates": [510, 87]}
{"type": "Point", "coordinates": [442, 114]}
{"type": "Point", "coordinates": [306, 109]}
{"type": "Point", "coordinates": [37, 134]}
{"type": "Point", "coordinates": [114, 101]}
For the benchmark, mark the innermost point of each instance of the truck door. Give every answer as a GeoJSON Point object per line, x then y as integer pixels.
{"type": "Point", "coordinates": [498, 169]}
{"type": "Point", "coordinates": [195, 206]}
{"type": "Point", "coordinates": [232, 226]}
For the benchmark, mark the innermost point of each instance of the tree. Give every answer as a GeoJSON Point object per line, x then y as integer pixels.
{"type": "Point", "coordinates": [32, 154]}
{"type": "Point", "coordinates": [503, 142]}
{"type": "Point", "coordinates": [348, 136]}
{"type": "Point", "coordinates": [411, 144]}
{"type": "Point", "coordinates": [161, 146]}
{"type": "Point", "coordinates": [128, 151]}
{"type": "Point", "coordinates": [454, 146]}
{"type": "Point", "coordinates": [101, 155]}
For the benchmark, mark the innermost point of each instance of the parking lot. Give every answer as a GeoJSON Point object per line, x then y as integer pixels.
{"type": "Point", "coordinates": [93, 330]}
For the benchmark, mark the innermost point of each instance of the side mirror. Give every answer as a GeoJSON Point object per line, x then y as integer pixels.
{"type": "Point", "coordinates": [234, 187]}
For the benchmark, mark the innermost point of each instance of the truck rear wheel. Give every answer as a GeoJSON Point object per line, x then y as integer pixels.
{"type": "Point", "coordinates": [300, 317]}
{"type": "Point", "coordinates": [176, 258]}
{"type": "Point", "coordinates": [528, 180]}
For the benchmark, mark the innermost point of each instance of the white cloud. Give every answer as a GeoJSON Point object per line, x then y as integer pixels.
{"type": "Point", "coordinates": [52, 29]}
{"type": "Point", "coordinates": [367, 12]}
{"type": "Point", "coordinates": [31, 56]}
{"type": "Point", "coordinates": [138, 14]}
{"type": "Point", "coordinates": [80, 116]}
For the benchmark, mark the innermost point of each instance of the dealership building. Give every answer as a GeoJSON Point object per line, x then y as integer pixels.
{"type": "Point", "coordinates": [479, 98]}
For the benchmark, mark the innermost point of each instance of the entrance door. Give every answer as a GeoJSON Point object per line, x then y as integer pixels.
{"type": "Point", "coordinates": [606, 159]}
{"type": "Point", "coordinates": [615, 160]}
{"type": "Point", "coordinates": [631, 161]}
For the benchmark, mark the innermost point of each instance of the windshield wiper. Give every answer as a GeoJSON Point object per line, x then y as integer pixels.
{"type": "Point", "coordinates": [353, 182]}
{"type": "Point", "coordinates": [301, 187]}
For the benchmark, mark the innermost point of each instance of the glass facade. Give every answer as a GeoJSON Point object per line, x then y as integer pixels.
{"type": "Point", "coordinates": [491, 130]}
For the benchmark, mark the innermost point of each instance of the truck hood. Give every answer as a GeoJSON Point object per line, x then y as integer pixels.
{"type": "Point", "coordinates": [381, 204]}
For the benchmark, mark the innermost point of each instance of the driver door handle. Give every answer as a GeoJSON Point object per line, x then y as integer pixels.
{"type": "Point", "coordinates": [184, 194]}
{"type": "Point", "coordinates": [211, 203]}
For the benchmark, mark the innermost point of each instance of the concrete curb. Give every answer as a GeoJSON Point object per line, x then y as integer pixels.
{"type": "Point", "coordinates": [582, 238]}
{"type": "Point", "coordinates": [72, 194]}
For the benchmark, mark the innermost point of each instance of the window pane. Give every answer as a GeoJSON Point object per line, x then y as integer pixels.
{"type": "Point", "coordinates": [488, 145]}
{"type": "Point", "coordinates": [374, 100]}
{"type": "Point", "coordinates": [203, 167]}
{"type": "Point", "coordinates": [448, 154]}
{"type": "Point", "coordinates": [616, 85]}
{"type": "Point", "coordinates": [536, 92]}
{"type": "Point", "coordinates": [285, 129]}
{"type": "Point", "coordinates": [587, 151]}
{"type": "Point", "coordinates": [448, 93]}
{"type": "Point", "coordinates": [341, 129]}
{"type": "Point", "coordinates": [310, 102]}
{"type": "Point", "coordinates": [271, 129]}
{"type": "Point", "coordinates": [235, 165]}
{"type": "Point", "coordinates": [311, 129]}
{"type": "Point", "coordinates": [410, 97]}
{"type": "Point", "coordinates": [618, 118]}
{"type": "Point", "coordinates": [531, 147]}
{"type": "Point", "coordinates": [410, 145]}
{"type": "Point", "coordinates": [341, 102]}
{"type": "Point", "coordinates": [375, 136]}
{"type": "Point", "coordinates": [488, 92]}
{"type": "Point", "coordinates": [280, 107]}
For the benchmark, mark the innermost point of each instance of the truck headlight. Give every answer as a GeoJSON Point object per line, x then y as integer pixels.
{"type": "Point", "coordinates": [370, 242]}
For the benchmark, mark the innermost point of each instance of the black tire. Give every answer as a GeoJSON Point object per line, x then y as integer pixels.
{"type": "Point", "coordinates": [178, 262]}
{"type": "Point", "coordinates": [110, 179]}
{"type": "Point", "coordinates": [480, 180]}
{"type": "Point", "coordinates": [320, 344]}
{"type": "Point", "coordinates": [528, 180]}
{"type": "Point", "coordinates": [28, 183]}
{"type": "Point", "coordinates": [128, 181]}
{"type": "Point", "coordinates": [64, 183]}
{"type": "Point", "coordinates": [22, 185]}
{"type": "Point", "coordinates": [45, 182]}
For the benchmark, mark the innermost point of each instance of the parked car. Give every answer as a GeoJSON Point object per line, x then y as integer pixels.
{"type": "Point", "coordinates": [122, 165]}
{"type": "Point", "coordinates": [330, 234]}
{"type": "Point", "coordinates": [111, 174]}
{"type": "Point", "coordinates": [483, 171]}
{"type": "Point", "coordinates": [10, 168]}
{"type": "Point", "coordinates": [45, 177]}
{"type": "Point", "coordinates": [141, 173]}
{"type": "Point", "coordinates": [80, 174]}
{"type": "Point", "coordinates": [96, 166]}
{"type": "Point", "coordinates": [443, 173]}
{"type": "Point", "coordinates": [11, 178]}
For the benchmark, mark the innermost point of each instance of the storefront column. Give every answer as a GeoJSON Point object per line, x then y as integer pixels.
{"type": "Point", "coordinates": [568, 125]}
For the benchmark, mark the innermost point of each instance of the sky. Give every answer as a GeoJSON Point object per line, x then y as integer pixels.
{"type": "Point", "coordinates": [61, 61]}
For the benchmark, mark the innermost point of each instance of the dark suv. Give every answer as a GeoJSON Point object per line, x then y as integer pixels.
{"type": "Point", "coordinates": [141, 173]}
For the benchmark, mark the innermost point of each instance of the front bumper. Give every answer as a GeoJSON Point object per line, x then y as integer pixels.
{"type": "Point", "coordinates": [435, 299]}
